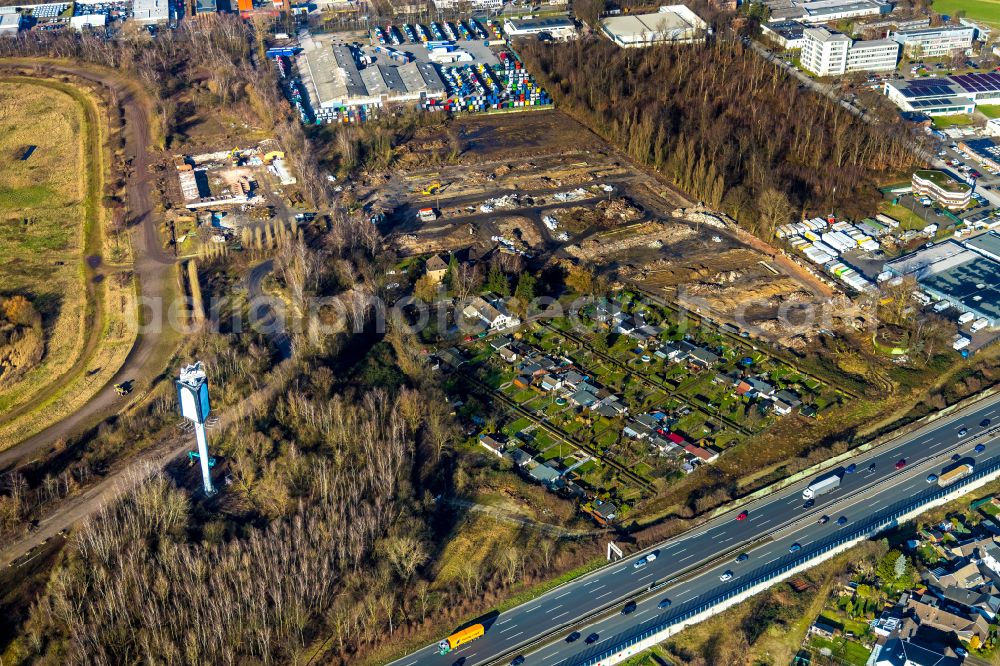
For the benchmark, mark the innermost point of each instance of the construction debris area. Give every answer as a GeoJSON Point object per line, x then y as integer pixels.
{"type": "Point", "coordinates": [222, 191]}
{"type": "Point", "coordinates": [542, 187]}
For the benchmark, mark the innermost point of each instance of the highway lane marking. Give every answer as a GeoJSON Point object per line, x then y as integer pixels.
{"type": "Point", "coordinates": [727, 540]}
{"type": "Point", "coordinates": [528, 610]}
{"type": "Point", "coordinates": [557, 607]}
{"type": "Point", "coordinates": [685, 559]}
{"type": "Point", "coordinates": [560, 615]}
{"type": "Point", "coordinates": [756, 516]}
{"type": "Point", "coordinates": [604, 595]}
{"type": "Point", "coordinates": [505, 621]}
{"type": "Point", "coordinates": [647, 576]}
{"type": "Point", "coordinates": [643, 612]}
{"type": "Point", "coordinates": [599, 588]}
{"type": "Point", "coordinates": [515, 635]}
{"type": "Point", "coordinates": [411, 663]}
{"type": "Point", "coordinates": [564, 594]}
{"type": "Point", "coordinates": [508, 629]}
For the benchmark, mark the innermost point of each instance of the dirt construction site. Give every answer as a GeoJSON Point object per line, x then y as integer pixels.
{"type": "Point", "coordinates": [544, 187]}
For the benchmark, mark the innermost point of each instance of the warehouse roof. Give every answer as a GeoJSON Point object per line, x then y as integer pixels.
{"type": "Point", "coordinates": [987, 244]}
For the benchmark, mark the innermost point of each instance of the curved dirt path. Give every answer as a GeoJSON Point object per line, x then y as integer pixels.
{"type": "Point", "coordinates": [152, 265]}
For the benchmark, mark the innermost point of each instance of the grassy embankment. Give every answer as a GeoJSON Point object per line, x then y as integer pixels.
{"type": "Point", "coordinates": [52, 219]}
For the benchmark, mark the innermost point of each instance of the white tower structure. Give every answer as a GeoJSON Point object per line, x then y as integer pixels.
{"type": "Point", "coordinates": [192, 393]}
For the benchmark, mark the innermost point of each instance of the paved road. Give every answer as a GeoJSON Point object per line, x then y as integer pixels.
{"type": "Point", "coordinates": [152, 267]}
{"type": "Point", "coordinates": [773, 523]}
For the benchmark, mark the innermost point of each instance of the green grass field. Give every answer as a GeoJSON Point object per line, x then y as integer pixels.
{"type": "Point", "coordinates": [987, 11]}
{"type": "Point", "coordinates": [942, 122]}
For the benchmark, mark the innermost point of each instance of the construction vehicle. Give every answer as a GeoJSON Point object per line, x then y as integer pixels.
{"type": "Point", "coordinates": [433, 188]}
{"type": "Point", "coordinates": [460, 638]}
{"type": "Point", "coordinates": [123, 389]}
{"type": "Point", "coordinates": [193, 456]}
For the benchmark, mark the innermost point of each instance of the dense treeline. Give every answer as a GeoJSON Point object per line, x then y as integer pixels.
{"type": "Point", "coordinates": [724, 125]}
{"type": "Point", "coordinates": [137, 586]}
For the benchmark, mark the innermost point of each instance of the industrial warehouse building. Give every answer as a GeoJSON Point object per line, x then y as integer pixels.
{"type": "Point", "coordinates": [935, 42]}
{"type": "Point", "coordinates": [150, 12]}
{"type": "Point", "coordinates": [942, 188]}
{"type": "Point", "coordinates": [984, 151]}
{"type": "Point", "coordinates": [945, 95]}
{"type": "Point", "coordinates": [333, 80]}
{"type": "Point", "coordinates": [823, 11]}
{"type": "Point", "coordinates": [673, 24]}
{"type": "Point", "coordinates": [829, 53]}
{"type": "Point", "coordinates": [556, 27]}
{"type": "Point", "coordinates": [966, 275]}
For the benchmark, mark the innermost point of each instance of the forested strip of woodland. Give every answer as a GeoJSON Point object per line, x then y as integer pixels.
{"type": "Point", "coordinates": [726, 126]}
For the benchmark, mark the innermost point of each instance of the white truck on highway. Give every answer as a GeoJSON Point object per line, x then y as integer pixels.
{"type": "Point", "coordinates": [821, 486]}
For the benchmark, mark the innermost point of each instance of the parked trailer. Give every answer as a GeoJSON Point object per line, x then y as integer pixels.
{"type": "Point", "coordinates": [954, 474]}
{"type": "Point", "coordinates": [821, 486]}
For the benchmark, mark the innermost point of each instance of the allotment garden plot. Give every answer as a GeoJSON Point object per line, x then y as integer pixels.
{"type": "Point", "coordinates": [627, 388]}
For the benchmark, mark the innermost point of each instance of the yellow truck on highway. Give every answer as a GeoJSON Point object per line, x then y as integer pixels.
{"type": "Point", "coordinates": [954, 474]}
{"type": "Point", "coordinates": [462, 637]}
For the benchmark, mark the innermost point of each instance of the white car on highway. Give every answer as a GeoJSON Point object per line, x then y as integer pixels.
{"type": "Point", "coordinates": [726, 576]}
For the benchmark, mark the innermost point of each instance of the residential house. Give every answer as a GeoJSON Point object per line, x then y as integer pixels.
{"type": "Point", "coordinates": [971, 601]}
{"type": "Point", "coordinates": [761, 389]}
{"type": "Point", "coordinates": [669, 352]}
{"type": "Point", "coordinates": [452, 356]}
{"type": "Point", "coordinates": [898, 652]}
{"type": "Point", "coordinates": [501, 342]}
{"type": "Point", "coordinates": [583, 399]}
{"type": "Point", "coordinates": [781, 408]}
{"type": "Point", "coordinates": [742, 388]}
{"type": "Point", "coordinates": [966, 576]}
{"type": "Point", "coordinates": [572, 379]}
{"type": "Point", "coordinates": [610, 407]}
{"type": "Point", "coordinates": [493, 313]}
{"type": "Point", "coordinates": [962, 625]}
{"type": "Point", "coordinates": [604, 512]}
{"type": "Point", "coordinates": [436, 268]}
{"type": "Point", "coordinates": [519, 457]}
{"type": "Point", "coordinates": [788, 397]}
{"type": "Point", "coordinates": [494, 443]}
{"type": "Point", "coordinates": [549, 383]}
{"type": "Point", "coordinates": [990, 556]}
{"type": "Point", "coordinates": [544, 473]}
{"type": "Point", "coordinates": [508, 355]}
{"type": "Point", "coordinates": [698, 356]}
{"type": "Point", "coordinates": [821, 627]}
{"type": "Point", "coordinates": [701, 454]}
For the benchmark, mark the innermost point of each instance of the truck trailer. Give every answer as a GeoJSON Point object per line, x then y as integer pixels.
{"type": "Point", "coordinates": [461, 638]}
{"type": "Point", "coordinates": [821, 486]}
{"type": "Point", "coordinates": [954, 474]}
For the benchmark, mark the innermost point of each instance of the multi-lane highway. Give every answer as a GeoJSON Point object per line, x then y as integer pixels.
{"type": "Point", "coordinates": [771, 527]}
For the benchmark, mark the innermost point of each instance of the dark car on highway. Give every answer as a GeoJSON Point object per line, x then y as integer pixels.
{"type": "Point", "coordinates": [629, 607]}
{"type": "Point", "coordinates": [984, 423]}
{"type": "Point", "coordinates": [517, 661]}
{"type": "Point", "coordinates": [842, 520]}
{"type": "Point", "coordinates": [664, 603]}
{"type": "Point", "coordinates": [901, 463]}
{"type": "Point", "coordinates": [794, 548]}
{"type": "Point", "coordinates": [871, 468]}
{"type": "Point", "coordinates": [593, 638]}
{"type": "Point", "coordinates": [851, 469]}
{"type": "Point", "coordinates": [980, 448]}
{"type": "Point", "coordinates": [575, 636]}
{"type": "Point", "coordinates": [742, 557]}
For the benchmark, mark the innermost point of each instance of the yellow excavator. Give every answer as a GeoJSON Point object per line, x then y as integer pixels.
{"type": "Point", "coordinates": [434, 188]}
